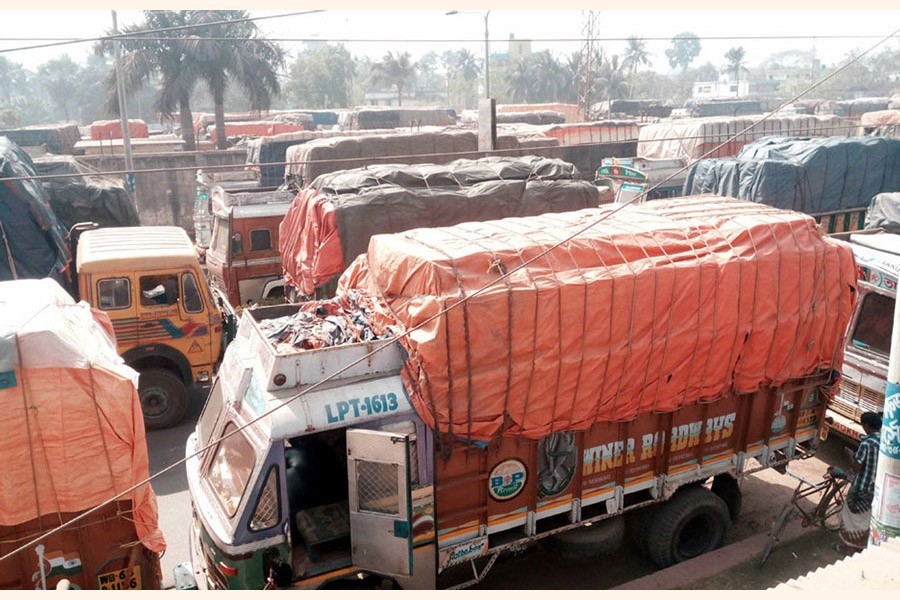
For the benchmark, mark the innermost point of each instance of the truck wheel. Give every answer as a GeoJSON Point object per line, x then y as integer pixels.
{"type": "Point", "coordinates": [726, 487]}
{"type": "Point", "coordinates": [163, 398]}
{"type": "Point", "coordinates": [637, 522]}
{"type": "Point", "coordinates": [600, 538]}
{"type": "Point", "coordinates": [692, 522]}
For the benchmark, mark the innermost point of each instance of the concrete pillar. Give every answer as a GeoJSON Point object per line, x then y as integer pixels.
{"type": "Point", "coordinates": [886, 505]}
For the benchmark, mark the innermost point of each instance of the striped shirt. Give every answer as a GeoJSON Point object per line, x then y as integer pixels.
{"type": "Point", "coordinates": [863, 489]}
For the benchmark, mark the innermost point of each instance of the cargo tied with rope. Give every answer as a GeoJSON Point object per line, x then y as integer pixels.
{"type": "Point", "coordinates": [654, 308]}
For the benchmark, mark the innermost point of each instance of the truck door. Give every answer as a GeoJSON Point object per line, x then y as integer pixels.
{"type": "Point", "coordinates": [380, 501]}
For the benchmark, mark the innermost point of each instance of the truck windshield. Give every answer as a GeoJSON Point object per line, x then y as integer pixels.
{"type": "Point", "coordinates": [221, 236]}
{"type": "Point", "coordinates": [231, 468]}
{"type": "Point", "coordinates": [875, 323]}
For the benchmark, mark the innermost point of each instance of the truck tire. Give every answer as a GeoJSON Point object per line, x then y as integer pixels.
{"type": "Point", "coordinates": [600, 538]}
{"type": "Point", "coordinates": [637, 522]}
{"type": "Point", "coordinates": [163, 398]}
{"type": "Point", "coordinates": [726, 487]}
{"type": "Point", "coordinates": [692, 522]}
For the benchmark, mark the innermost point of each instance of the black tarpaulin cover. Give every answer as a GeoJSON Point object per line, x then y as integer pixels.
{"type": "Point", "coordinates": [884, 212]}
{"type": "Point", "coordinates": [813, 175]}
{"type": "Point", "coordinates": [32, 242]}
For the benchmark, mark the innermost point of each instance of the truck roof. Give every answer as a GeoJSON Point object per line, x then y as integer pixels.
{"type": "Point", "coordinates": [120, 248]}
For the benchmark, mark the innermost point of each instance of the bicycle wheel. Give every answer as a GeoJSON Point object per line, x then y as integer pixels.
{"type": "Point", "coordinates": [828, 512]}
{"type": "Point", "coordinates": [776, 531]}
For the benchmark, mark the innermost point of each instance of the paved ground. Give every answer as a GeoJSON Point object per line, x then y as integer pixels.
{"type": "Point", "coordinates": [765, 493]}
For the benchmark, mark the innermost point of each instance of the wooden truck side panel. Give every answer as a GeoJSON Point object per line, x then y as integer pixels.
{"type": "Point", "coordinates": [654, 453]}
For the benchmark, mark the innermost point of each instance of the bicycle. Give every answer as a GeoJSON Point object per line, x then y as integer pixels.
{"type": "Point", "coordinates": [826, 513]}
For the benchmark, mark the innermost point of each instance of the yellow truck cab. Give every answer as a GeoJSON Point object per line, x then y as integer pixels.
{"type": "Point", "coordinates": [168, 324]}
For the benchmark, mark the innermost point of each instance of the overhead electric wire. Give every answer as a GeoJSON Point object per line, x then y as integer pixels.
{"type": "Point", "coordinates": [348, 40]}
{"type": "Point", "coordinates": [452, 306]}
{"type": "Point", "coordinates": [141, 34]}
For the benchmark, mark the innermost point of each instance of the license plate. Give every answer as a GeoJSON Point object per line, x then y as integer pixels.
{"type": "Point", "coordinates": [117, 580]}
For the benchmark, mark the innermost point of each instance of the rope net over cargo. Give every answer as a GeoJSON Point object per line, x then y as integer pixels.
{"type": "Point", "coordinates": [659, 306]}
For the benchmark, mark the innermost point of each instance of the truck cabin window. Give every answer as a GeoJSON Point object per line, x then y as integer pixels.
{"type": "Point", "coordinates": [220, 236]}
{"type": "Point", "coordinates": [192, 301]}
{"type": "Point", "coordinates": [260, 239]}
{"type": "Point", "coordinates": [875, 323]}
{"type": "Point", "coordinates": [114, 293]}
{"type": "Point", "coordinates": [159, 290]}
{"type": "Point", "coordinates": [230, 469]}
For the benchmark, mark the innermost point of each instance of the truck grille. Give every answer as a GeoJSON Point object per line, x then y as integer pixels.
{"type": "Point", "coordinates": [855, 399]}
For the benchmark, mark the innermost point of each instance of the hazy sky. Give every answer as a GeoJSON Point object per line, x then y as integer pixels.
{"type": "Point", "coordinates": [433, 25]}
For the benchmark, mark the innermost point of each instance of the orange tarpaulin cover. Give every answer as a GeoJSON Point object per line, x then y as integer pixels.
{"type": "Point", "coordinates": [73, 431]}
{"type": "Point", "coordinates": [656, 307]}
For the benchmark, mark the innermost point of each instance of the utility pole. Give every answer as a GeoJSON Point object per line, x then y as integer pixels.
{"type": "Point", "coordinates": [886, 504]}
{"type": "Point", "coordinates": [123, 112]}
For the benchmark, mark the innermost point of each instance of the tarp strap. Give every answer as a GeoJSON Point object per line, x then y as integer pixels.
{"type": "Point", "coordinates": [101, 429]}
{"type": "Point", "coordinates": [31, 446]}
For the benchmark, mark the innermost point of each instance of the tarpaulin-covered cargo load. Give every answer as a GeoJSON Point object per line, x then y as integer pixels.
{"type": "Point", "coordinates": [255, 128]}
{"type": "Point", "coordinates": [267, 154]}
{"type": "Point", "coordinates": [535, 117]}
{"type": "Point", "coordinates": [389, 118]}
{"type": "Point", "coordinates": [856, 108]}
{"type": "Point", "coordinates": [73, 431]}
{"type": "Point", "coordinates": [203, 120]}
{"type": "Point", "coordinates": [653, 308]}
{"type": "Point", "coordinates": [691, 139]}
{"type": "Point", "coordinates": [58, 139]}
{"type": "Point", "coordinates": [330, 223]}
{"type": "Point", "coordinates": [840, 173]}
{"type": "Point", "coordinates": [112, 129]}
{"type": "Point", "coordinates": [102, 200]}
{"type": "Point", "coordinates": [586, 144]}
{"type": "Point", "coordinates": [32, 242]}
{"type": "Point", "coordinates": [572, 112]}
{"type": "Point", "coordinates": [884, 213]}
{"type": "Point", "coordinates": [884, 123]}
{"type": "Point", "coordinates": [317, 157]}
{"type": "Point", "coordinates": [723, 108]}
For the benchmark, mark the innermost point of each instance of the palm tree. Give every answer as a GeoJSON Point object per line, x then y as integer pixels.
{"type": "Point", "coordinates": [395, 71]}
{"type": "Point", "coordinates": [182, 57]}
{"type": "Point", "coordinates": [242, 56]}
{"type": "Point", "coordinates": [612, 80]}
{"type": "Point", "coordinates": [635, 55]}
{"type": "Point", "coordinates": [550, 76]}
{"type": "Point", "coordinates": [736, 63]}
{"type": "Point", "coordinates": [521, 81]}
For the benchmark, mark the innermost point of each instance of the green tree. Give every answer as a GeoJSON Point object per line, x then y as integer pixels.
{"type": "Point", "coordinates": [685, 48]}
{"type": "Point", "coordinates": [707, 72]}
{"type": "Point", "coordinates": [612, 80]}
{"type": "Point", "coordinates": [521, 81]}
{"type": "Point", "coordinates": [636, 55]}
{"type": "Point", "coordinates": [321, 78]}
{"type": "Point", "coordinates": [233, 51]}
{"type": "Point", "coordinates": [149, 58]}
{"type": "Point", "coordinates": [550, 77]}
{"type": "Point", "coordinates": [394, 71]}
{"type": "Point", "coordinates": [59, 77]}
{"type": "Point", "coordinates": [735, 62]}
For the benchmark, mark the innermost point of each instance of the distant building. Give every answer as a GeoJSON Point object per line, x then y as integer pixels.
{"type": "Point", "coordinates": [518, 49]}
{"type": "Point", "coordinates": [721, 89]}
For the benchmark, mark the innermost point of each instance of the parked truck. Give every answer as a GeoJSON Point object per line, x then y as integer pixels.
{"type": "Point", "coordinates": [72, 438]}
{"type": "Point", "coordinates": [868, 346]}
{"type": "Point", "coordinates": [243, 259]}
{"type": "Point", "coordinates": [170, 326]}
{"type": "Point", "coordinates": [642, 368]}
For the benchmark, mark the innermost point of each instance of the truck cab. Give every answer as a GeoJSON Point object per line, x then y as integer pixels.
{"type": "Point", "coordinates": [303, 495]}
{"type": "Point", "coordinates": [168, 324]}
{"type": "Point", "coordinates": [243, 259]}
{"type": "Point", "coordinates": [864, 376]}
